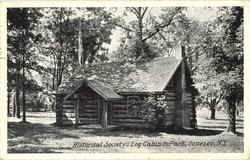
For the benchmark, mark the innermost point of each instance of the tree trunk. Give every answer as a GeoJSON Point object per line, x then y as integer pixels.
{"type": "Point", "coordinates": [14, 106]}
{"type": "Point", "coordinates": [18, 109]}
{"type": "Point", "coordinates": [24, 107]}
{"type": "Point", "coordinates": [8, 101]}
{"type": "Point", "coordinates": [212, 115]}
{"type": "Point", "coordinates": [231, 117]}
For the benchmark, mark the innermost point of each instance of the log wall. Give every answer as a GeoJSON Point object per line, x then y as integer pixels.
{"type": "Point", "coordinates": [189, 111]}
{"type": "Point", "coordinates": [120, 115]}
{"type": "Point", "coordinates": [170, 114]}
{"type": "Point", "coordinates": [91, 108]}
{"type": "Point", "coordinates": [88, 108]}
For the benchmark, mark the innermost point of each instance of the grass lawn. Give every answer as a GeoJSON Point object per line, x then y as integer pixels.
{"type": "Point", "coordinates": [40, 136]}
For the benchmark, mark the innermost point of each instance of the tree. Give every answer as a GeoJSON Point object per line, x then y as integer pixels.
{"type": "Point", "coordinates": [141, 31]}
{"type": "Point", "coordinates": [21, 40]}
{"type": "Point", "coordinates": [207, 83]}
{"type": "Point", "coordinates": [61, 34]}
{"type": "Point", "coordinates": [229, 62]}
{"type": "Point", "coordinates": [223, 56]}
{"type": "Point", "coordinates": [205, 76]}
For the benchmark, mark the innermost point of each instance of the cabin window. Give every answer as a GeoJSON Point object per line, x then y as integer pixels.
{"type": "Point", "coordinates": [133, 103]}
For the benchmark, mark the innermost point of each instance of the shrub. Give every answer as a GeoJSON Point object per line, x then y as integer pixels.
{"type": "Point", "coordinates": [153, 109]}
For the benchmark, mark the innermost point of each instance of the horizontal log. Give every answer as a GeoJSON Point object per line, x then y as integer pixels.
{"type": "Point", "coordinates": [88, 111]}
{"type": "Point", "coordinates": [90, 106]}
{"type": "Point", "coordinates": [119, 111]}
{"type": "Point", "coordinates": [173, 94]}
{"type": "Point", "coordinates": [89, 122]}
{"type": "Point", "coordinates": [170, 116]}
{"type": "Point", "coordinates": [188, 99]}
{"type": "Point", "coordinates": [89, 116]}
{"type": "Point", "coordinates": [188, 113]}
{"type": "Point", "coordinates": [170, 91]}
{"type": "Point", "coordinates": [88, 119]}
{"type": "Point", "coordinates": [171, 107]}
{"type": "Point", "coordinates": [91, 102]}
{"type": "Point", "coordinates": [171, 103]}
{"type": "Point", "coordinates": [128, 120]}
{"type": "Point", "coordinates": [123, 116]}
{"type": "Point", "coordinates": [123, 101]}
{"type": "Point", "coordinates": [68, 102]}
{"type": "Point", "coordinates": [68, 110]}
{"type": "Point", "coordinates": [171, 99]}
{"type": "Point", "coordinates": [119, 106]}
{"type": "Point", "coordinates": [68, 106]}
{"type": "Point", "coordinates": [188, 108]}
{"type": "Point", "coordinates": [89, 96]}
{"type": "Point", "coordinates": [136, 125]}
{"type": "Point", "coordinates": [169, 113]}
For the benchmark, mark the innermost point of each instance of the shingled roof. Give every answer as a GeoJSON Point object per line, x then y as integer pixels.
{"type": "Point", "coordinates": [123, 77]}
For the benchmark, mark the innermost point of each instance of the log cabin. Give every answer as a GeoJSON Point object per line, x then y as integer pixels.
{"type": "Point", "coordinates": [105, 93]}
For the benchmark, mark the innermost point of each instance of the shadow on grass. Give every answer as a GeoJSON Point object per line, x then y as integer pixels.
{"type": "Point", "coordinates": [195, 132]}
{"type": "Point", "coordinates": [219, 127]}
{"type": "Point", "coordinates": [132, 132]}
{"type": "Point", "coordinates": [33, 149]}
{"type": "Point", "coordinates": [31, 136]}
{"type": "Point", "coordinates": [220, 119]}
{"type": "Point", "coordinates": [117, 131]}
{"type": "Point", "coordinates": [16, 129]}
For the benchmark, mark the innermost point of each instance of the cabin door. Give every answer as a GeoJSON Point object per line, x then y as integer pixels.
{"type": "Point", "coordinates": [88, 111]}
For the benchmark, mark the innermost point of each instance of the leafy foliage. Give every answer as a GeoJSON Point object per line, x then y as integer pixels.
{"type": "Point", "coordinates": [22, 40]}
{"type": "Point", "coordinates": [153, 109]}
{"type": "Point", "coordinates": [221, 68]}
{"type": "Point", "coordinates": [61, 34]}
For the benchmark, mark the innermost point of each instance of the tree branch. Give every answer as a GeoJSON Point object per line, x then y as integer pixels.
{"type": "Point", "coordinates": [158, 28]}
{"type": "Point", "coordinates": [123, 27]}
{"type": "Point", "coordinates": [145, 10]}
{"type": "Point", "coordinates": [135, 11]}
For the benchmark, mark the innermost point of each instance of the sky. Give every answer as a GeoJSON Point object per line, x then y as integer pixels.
{"type": "Point", "coordinates": [201, 14]}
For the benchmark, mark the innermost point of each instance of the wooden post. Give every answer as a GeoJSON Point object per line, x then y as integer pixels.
{"type": "Point", "coordinates": [99, 108]}
{"type": "Point", "coordinates": [183, 87]}
{"type": "Point", "coordinates": [105, 114]}
{"type": "Point", "coordinates": [110, 112]}
{"type": "Point", "coordinates": [59, 109]}
{"type": "Point", "coordinates": [180, 93]}
{"type": "Point", "coordinates": [76, 106]}
{"type": "Point", "coordinates": [193, 119]}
